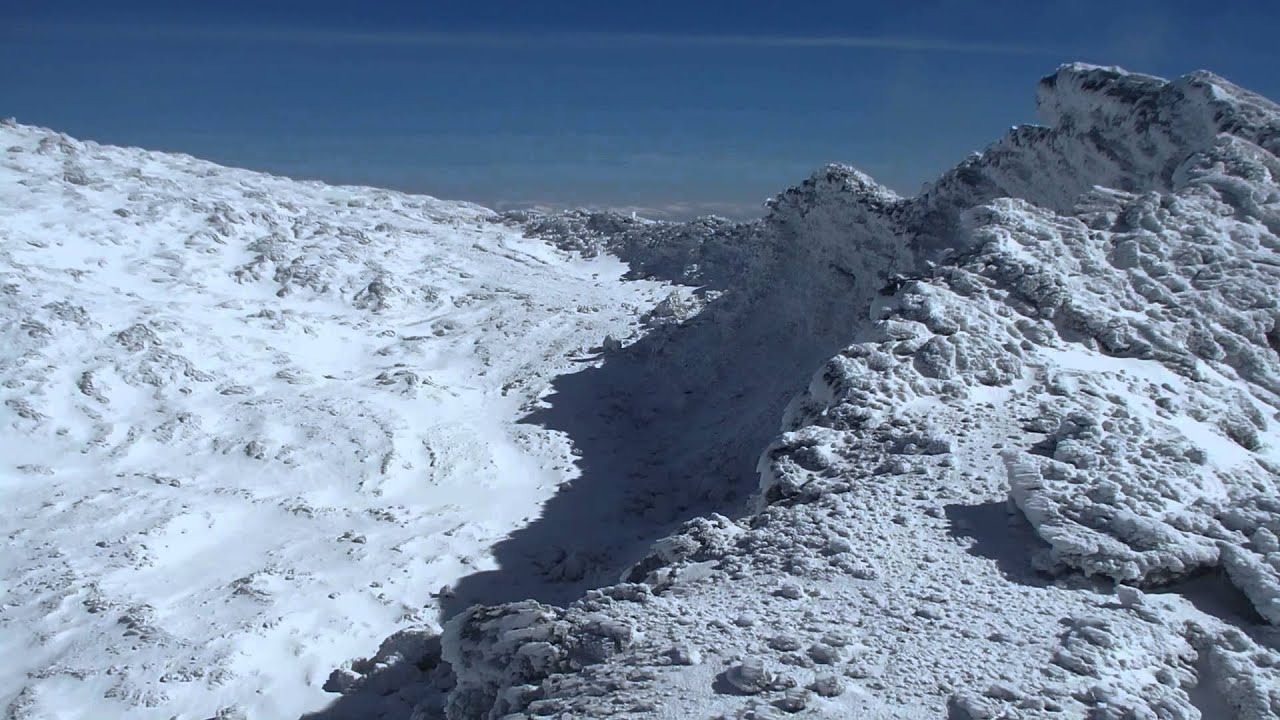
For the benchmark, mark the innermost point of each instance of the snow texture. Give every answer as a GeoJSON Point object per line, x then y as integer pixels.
{"type": "Point", "coordinates": [252, 426]}
{"type": "Point", "coordinates": [1036, 473]}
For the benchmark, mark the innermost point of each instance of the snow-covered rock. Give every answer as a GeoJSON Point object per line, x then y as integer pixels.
{"type": "Point", "coordinates": [1061, 373]}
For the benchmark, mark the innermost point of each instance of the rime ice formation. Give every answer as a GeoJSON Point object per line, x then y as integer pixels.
{"type": "Point", "coordinates": [1028, 463]}
{"type": "Point", "coordinates": [1039, 478]}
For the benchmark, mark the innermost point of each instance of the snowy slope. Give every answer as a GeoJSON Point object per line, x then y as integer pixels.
{"type": "Point", "coordinates": [1038, 476]}
{"type": "Point", "coordinates": [1006, 449]}
{"type": "Point", "coordinates": [251, 426]}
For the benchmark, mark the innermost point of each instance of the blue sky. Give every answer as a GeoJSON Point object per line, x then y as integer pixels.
{"type": "Point", "coordinates": [679, 107]}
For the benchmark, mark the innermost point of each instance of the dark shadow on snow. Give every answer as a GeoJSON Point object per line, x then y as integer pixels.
{"type": "Point", "coordinates": [1213, 593]}
{"type": "Point", "coordinates": [1001, 534]}
{"type": "Point", "coordinates": [671, 427]}
{"type": "Point", "coordinates": [665, 430]}
{"type": "Point", "coordinates": [379, 696]}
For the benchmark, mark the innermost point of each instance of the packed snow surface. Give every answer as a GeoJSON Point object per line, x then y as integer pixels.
{"type": "Point", "coordinates": [1006, 449]}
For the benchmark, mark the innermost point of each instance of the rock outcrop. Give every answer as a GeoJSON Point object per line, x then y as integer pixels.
{"type": "Point", "coordinates": [1041, 477]}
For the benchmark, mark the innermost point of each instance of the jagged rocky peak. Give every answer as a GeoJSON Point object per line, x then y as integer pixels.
{"type": "Point", "coordinates": [1103, 126]}
{"type": "Point", "coordinates": [835, 181]}
{"type": "Point", "coordinates": [1198, 106]}
{"type": "Point", "coordinates": [1129, 128]}
{"type": "Point", "coordinates": [1085, 95]}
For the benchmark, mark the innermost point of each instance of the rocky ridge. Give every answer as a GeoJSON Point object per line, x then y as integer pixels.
{"type": "Point", "coordinates": [1041, 478]}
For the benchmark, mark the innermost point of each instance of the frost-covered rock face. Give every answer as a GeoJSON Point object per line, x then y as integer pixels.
{"type": "Point", "coordinates": [1110, 128]}
{"type": "Point", "coordinates": [1145, 320]}
{"type": "Point", "coordinates": [1042, 478]}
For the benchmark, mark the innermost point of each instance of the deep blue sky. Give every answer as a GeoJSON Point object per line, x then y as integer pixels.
{"type": "Point", "coordinates": [703, 104]}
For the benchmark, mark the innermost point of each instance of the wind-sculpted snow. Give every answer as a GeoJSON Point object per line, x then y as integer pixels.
{"type": "Point", "coordinates": [246, 421]}
{"type": "Point", "coordinates": [1040, 479]}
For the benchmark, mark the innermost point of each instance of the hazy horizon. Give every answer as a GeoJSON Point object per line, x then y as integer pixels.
{"type": "Point", "coordinates": [669, 110]}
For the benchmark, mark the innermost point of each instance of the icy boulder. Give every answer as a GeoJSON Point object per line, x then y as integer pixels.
{"type": "Point", "coordinates": [500, 654]}
{"type": "Point", "coordinates": [700, 540]}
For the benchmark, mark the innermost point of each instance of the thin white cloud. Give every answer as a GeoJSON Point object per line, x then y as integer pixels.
{"type": "Point", "coordinates": [583, 39]}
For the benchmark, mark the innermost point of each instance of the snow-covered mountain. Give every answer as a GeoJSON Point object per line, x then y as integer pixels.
{"type": "Point", "coordinates": [254, 425]}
